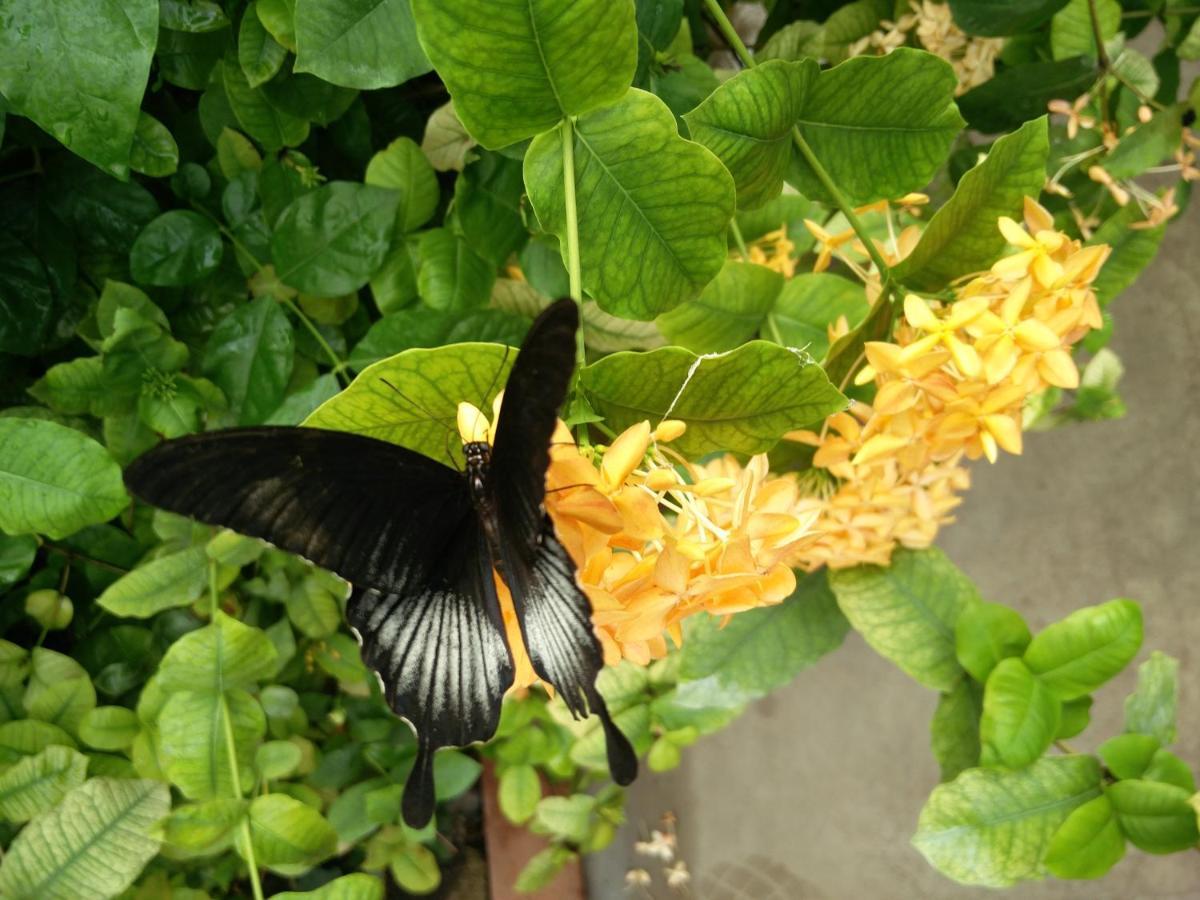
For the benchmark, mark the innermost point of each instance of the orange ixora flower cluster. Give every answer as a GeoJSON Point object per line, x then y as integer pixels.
{"type": "Point", "coordinates": [952, 383]}
{"type": "Point", "coordinates": [657, 538]}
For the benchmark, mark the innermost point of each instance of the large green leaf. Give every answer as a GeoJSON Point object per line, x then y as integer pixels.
{"type": "Point", "coordinates": [109, 728]}
{"type": "Point", "coordinates": [179, 247]}
{"type": "Point", "coordinates": [194, 746]}
{"type": "Point", "coordinates": [330, 241]}
{"type": "Point", "coordinates": [962, 236]}
{"type": "Point", "coordinates": [1073, 33]}
{"type": "Point", "coordinates": [760, 650]}
{"type": "Point", "coordinates": [1020, 93]}
{"type": "Point", "coordinates": [992, 826]}
{"type": "Point", "coordinates": [89, 847]}
{"type": "Point", "coordinates": [250, 356]}
{"type": "Point", "coordinates": [742, 401]}
{"type": "Point", "coordinates": [1087, 648]}
{"type": "Point", "coordinates": [25, 737]}
{"type": "Point", "coordinates": [205, 827]}
{"type": "Point", "coordinates": [1020, 716]}
{"type": "Point", "coordinates": [1002, 17]}
{"type": "Point", "coordinates": [420, 412]}
{"type": "Point", "coordinates": [263, 120]}
{"type": "Point", "coordinates": [288, 836]}
{"type": "Point", "coordinates": [364, 44]}
{"type": "Point", "coordinates": [1088, 843]}
{"type": "Point", "coordinates": [880, 125]}
{"type": "Point", "coordinates": [259, 54]}
{"type": "Point", "coordinates": [16, 556]}
{"type": "Point", "coordinates": [175, 579]}
{"type": "Point", "coordinates": [78, 68]}
{"type": "Point", "coordinates": [747, 122]}
{"type": "Point", "coordinates": [954, 729]}
{"type": "Point", "coordinates": [63, 702]}
{"type": "Point", "coordinates": [36, 783]}
{"type": "Point", "coordinates": [1132, 250]}
{"type": "Point", "coordinates": [453, 277]}
{"type": "Point", "coordinates": [221, 655]}
{"type": "Point", "coordinates": [728, 312]}
{"type": "Point", "coordinates": [423, 327]}
{"type": "Point", "coordinates": [987, 633]}
{"type": "Point", "coordinates": [808, 304]}
{"type": "Point", "coordinates": [907, 611]}
{"type": "Point", "coordinates": [526, 65]}
{"type": "Point", "coordinates": [1152, 707]}
{"type": "Point", "coordinates": [647, 243]}
{"type": "Point", "coordinates": [1156, 817]}
{"type": "Point", "coordinates": [359, 886]}
{"type": "Point", "coordinates": [54, 480]}
{"type": "Point", "coordinates": [402, 167]}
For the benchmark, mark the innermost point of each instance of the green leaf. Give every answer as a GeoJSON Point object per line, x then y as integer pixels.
{"type": "Point", "coordinates": [26, 737]}
{"type": "Point", "coordinates": [308, 97]}
{"type": "Point", "coordinates": [54, 480]}
{"type": "Point", "coordinates": [434, 381]}
{"type": "Point", "coordinates": [453, 773]}
{"type": "Point", "coordinates": [109, 728]}
{"type": "Point", "coordinates": [331, 240]}
{"type": "Point", "coordinates": [314, 611]}
{"type": "Point", "coordinates": [1020, 716]}
{"type": "Point", "coordinates": [207, 827]}
{"type": "Point", "coordinates": [1168, 768]}
{"type": "Point", "coordinates": [1151, 709]}
{"type": "Point", "coordinates": [849, 24]}
{"type": "Point", "coordinates": [808, 304]}
{"type": "Point", "coordinates": [63, 703]}
{"type": "Point", "coordinates": [759, 650]}
{"type": "Point", "coordinates": [279, 18]}
{"type": "Point", "coordinates": [36, 783]}
{"type": "Point", "coordinates": [566, 818]}
{"type": "Point", "coordinates": [1189, 47]}
{"type": "Point", "coordinates": [993, 18]}
{"type": "Point", "coordinates": [289, 837]}
{"type": "Point", "coordinates": [794, 41]}
{"type": "Point", "coordinates": [402, 167]}
{"type": "Point", "coordinates": [519, 793]}
{"type": "Point", "coordinates": [175, 579]}
{"type": "Point", "coordinates": [154, 151]}
{"type": "Point", "coordinates": [992, 827]}
{"type": "Point", "coordinates": [987, 633]}
{"type": "Point", "coordinates": [1076, 714]}
{"type": "Point", "coordinates": [193, 16]}
{"type": "Point", "coordinates": [89, 847]}
{"type": "Point", "coordinates": [743, 401]}
{"type": "Point", "coordinates": [415, 869]}
{"type": "Point", "coordinates": [221, 655]}
{"type": "Point", "coordinates": [747, 122]}
{"type": "Point", "coordinates": [179, 247]}
{"type": "Point", "coordinates": [880, 125]}
{"type": "Point", "coordinates": [962, 236]}
{"type": "Point", "coordinates": [1020, 93]}
{"type": "Point", "coordinates": [259, 54]}
{"type": "Point", "coordinates": [728, 312]}
{"type": "Point", "coordinates": [646, 243]}
{"type": "Point", "coordinates": [78, 69]}
{"type": "Point", "coordinates": [543, 868]}
{"type": "Point", "coordinates": [364, 44]}
{"type": "Point", "coordinates": [446, 144]}
{"type": "Point", "coordinates": [954, 730]}
{"type": "Point", "coordinates": [1072, 32]}
{"type": "Point", "coordinates": [524, 67]}
{"type": "Point", "coordinates": [1128, 755]}
{"type": "Point", "coordinates": [1088, 843]}
{"type": "Point", "coordinates": [16, 556]}
{"type": "Point", "coordinates": [1087, 648]}
{"type": "Point", "coordinates": [1155, 817]}
{"type": "Point", "coordinates": [193, 746]}
{"type": "Point", "coordinates": [1132, 250]}
{"type": "Point", "coordinates": [907, 611]}
{"type": "Point", "coordinates": [277, 759]}
{"type": "Point", "coordinates": [249, 356]}
{"type": "Point", "coordinates": [1147, 145]}
{"type": "Point", "coordinates": [271, 126]}
{"type": "Point", "coordinates": [453, 277]}
{"type": "Point", "coordinates": [423, 327]}
{"type": "Point", "coordinates": [359, 886]}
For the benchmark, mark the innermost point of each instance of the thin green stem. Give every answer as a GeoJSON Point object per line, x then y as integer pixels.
{"type": "Point", "coordinates": [773, 330]}
{"type": "Point", "coordinates": [731, 37]}
{"type": "Point", "coordinates": [231, 751]}
{"type": "Point", "coordinates": [738, 239]}
{"type": "Point", "coordinates": [71, 554]}
{"type": "Point", "coordinates": [1102, 59]}
{"type": "Point", "coordinates": [339, 365]}
{"type": "Point", "coordinates": [574, 273]}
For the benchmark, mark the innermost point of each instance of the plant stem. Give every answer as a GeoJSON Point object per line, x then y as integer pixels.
{"type": "Point", "coordinates": [731, 37]}
{"type": "Point", "coordinates": [1102, 60]}
{"type": "Point", "coordinates": [574, 275]}
{"type": "Point", "coordinates": [339, 365]}
{"type": "Point", "coordinates": [738, 239]}
{"type": "Point", "coordinates": [231, 751]}
{"type": "Point", "coordinates": [71, 554]}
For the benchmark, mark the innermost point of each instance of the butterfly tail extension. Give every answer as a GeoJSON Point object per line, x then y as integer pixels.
{"type": "Point", "coordinates": [419, 792]}
{"type": "Point", "coordinates": [556, 624]}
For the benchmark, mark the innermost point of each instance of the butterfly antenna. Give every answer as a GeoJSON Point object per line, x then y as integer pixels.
{"type": "Point", "coordinates": [441, 420]}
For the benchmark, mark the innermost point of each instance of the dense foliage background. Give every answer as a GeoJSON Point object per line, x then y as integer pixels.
{"type": "Point", "coordinates": [217, 213]}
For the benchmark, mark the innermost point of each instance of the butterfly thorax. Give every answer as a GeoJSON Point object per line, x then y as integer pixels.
{"type": "Point", "coordinates": [478, 455]}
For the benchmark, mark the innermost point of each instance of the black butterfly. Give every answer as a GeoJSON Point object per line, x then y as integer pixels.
{"type": "Point", "coordinates": [418, 542]}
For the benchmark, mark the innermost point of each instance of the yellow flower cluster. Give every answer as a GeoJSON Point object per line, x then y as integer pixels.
{"type": "Point", "coordinates": [657, 538]}
{"type": "Point", "coordinates": [951, 384]}
{"type": "Point", "coordinates": [973, 58]}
